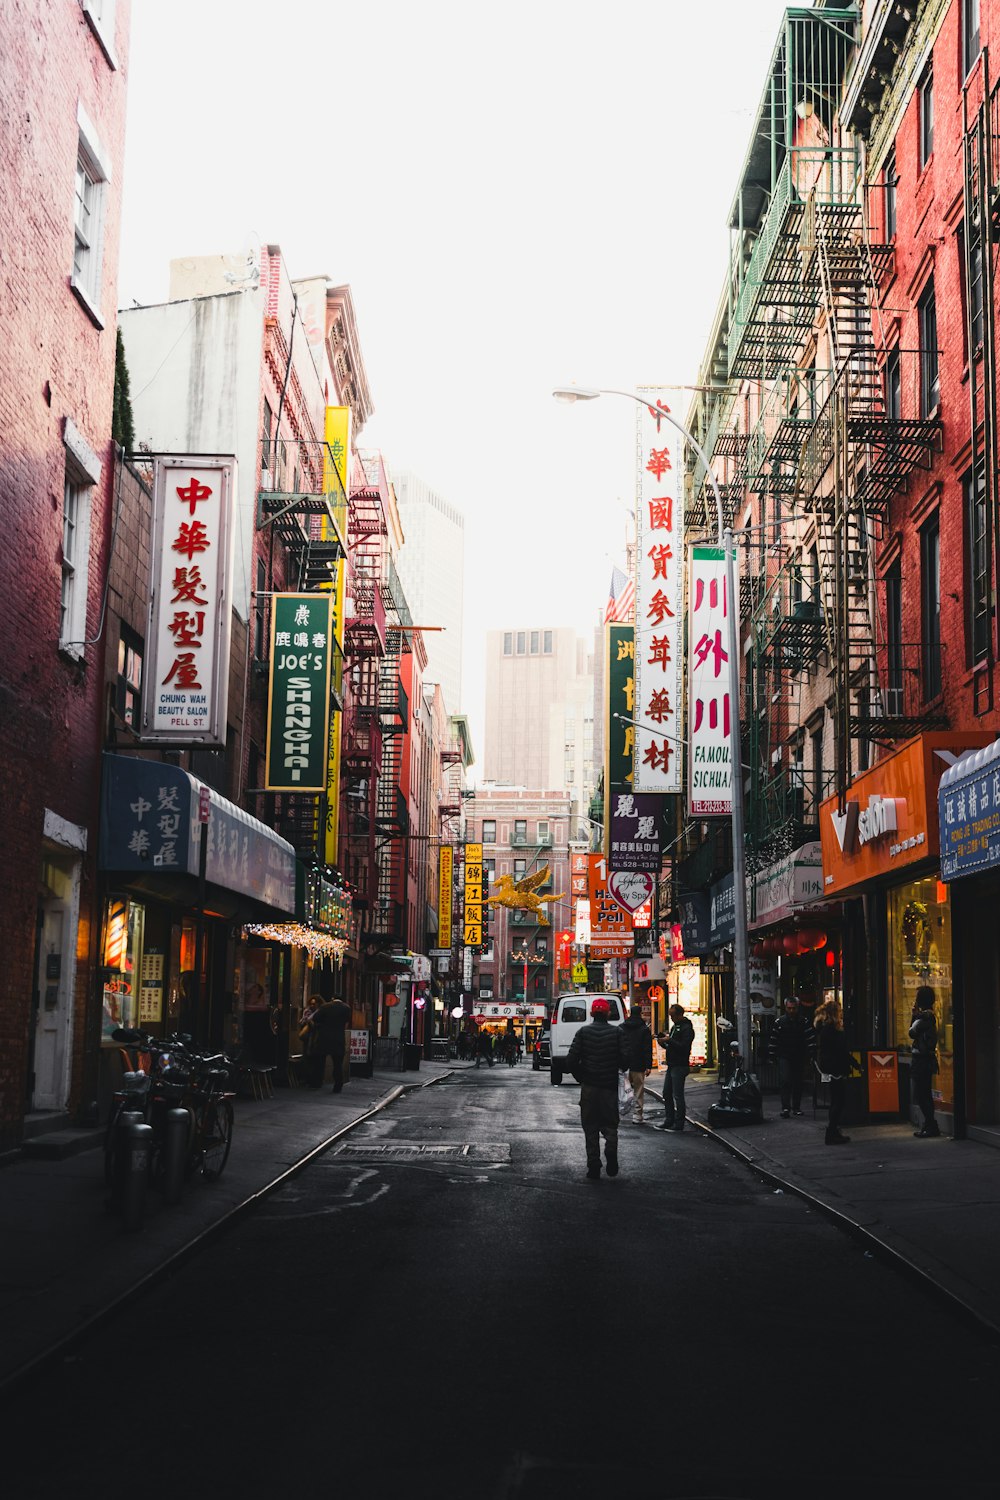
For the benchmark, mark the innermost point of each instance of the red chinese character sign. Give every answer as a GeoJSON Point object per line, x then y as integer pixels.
{"type": "Point", "coordinates": [658, 602]}
{"type": "Point", "coordinates": [186, 674]}
{"type": "Point", "coordinates": [709, 710]}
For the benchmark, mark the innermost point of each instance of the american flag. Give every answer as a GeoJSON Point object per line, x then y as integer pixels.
{"type": "Point", "coordinates": [621, 598]}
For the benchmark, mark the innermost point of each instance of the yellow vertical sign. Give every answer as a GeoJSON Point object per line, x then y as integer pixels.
{"type": "Point", "coordinates": [446, 868]}
{"type": "Point", "coordinates": [337, 431]}
{"type": "Point", "coordinates": [473, 923]}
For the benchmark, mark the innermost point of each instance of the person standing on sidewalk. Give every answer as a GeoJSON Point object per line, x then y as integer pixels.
{"type": "Point", "coordinates": [677, 1044]}
{"type": "Point", "coordinates": [924, 1059]}
{"type": "Point", "coordinates": [596, 1056]}
{"type": "Point", "coordinates": [792, 1042]}
{"type": "Point", "coordinates": [834, 1063]}
{"type": "Point", "coordinates": [330, 1025]}
{"type": "Point", "coordinates": [639, 1047]}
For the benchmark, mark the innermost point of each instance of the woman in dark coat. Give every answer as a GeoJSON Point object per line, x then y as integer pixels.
{"type": "Point", "coordinates": [834, 1063]}
{"type": "Point", "coordinates": [924, 1059]}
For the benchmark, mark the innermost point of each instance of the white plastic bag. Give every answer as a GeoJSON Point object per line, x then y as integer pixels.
{"type": "Point", "coordinates": [626, 1098]}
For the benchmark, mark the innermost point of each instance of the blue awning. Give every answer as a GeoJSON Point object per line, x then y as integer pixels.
{"type": "Point", "coordinates": [969, 813]}
{"type": "Point", "coordinates": [150, 829]}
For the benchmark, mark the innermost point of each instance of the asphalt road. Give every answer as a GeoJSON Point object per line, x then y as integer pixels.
{"type": "Point", "coordinates": [443, 1305]}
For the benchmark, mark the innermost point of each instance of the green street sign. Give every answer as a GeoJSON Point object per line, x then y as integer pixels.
{"type": "Point", "coordinates": [298, 707]}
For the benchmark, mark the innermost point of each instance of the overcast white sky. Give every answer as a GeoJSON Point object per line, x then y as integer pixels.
{"type": "Point", "coordinates": [520, 195]}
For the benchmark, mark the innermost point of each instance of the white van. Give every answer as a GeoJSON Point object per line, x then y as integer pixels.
{"type": "Point", "coordinates": [572, 1012]}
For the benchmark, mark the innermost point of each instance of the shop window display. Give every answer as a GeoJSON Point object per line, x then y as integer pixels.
{"type": "Point", "coordinates": [920, 953]}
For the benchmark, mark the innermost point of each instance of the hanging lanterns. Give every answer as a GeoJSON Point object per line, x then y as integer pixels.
{"type": "Point", "coordinates": [391, 999]}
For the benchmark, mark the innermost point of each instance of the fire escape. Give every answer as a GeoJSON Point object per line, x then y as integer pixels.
{"type": "Point", "coordinates": [392, 820]}
{"type": "Point", "coordinates": [981, 142]}
{"type": "Point", "coordinates": [365, 648]}
{"type": "Point", "coordinates": [840, 430]}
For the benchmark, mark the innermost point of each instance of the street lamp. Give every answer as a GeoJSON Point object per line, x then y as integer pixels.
{"type": "Point", "coordinates": [741, 970]}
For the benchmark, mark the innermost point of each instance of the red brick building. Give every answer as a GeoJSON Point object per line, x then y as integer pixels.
{"type": "Point", "coordinates": [63, 73]}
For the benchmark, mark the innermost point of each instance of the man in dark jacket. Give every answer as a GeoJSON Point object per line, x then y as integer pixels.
{"type": "Point", "coordinates": [639, 1047]}
{"type": "Point", "coordinates": [330, 1025]}
{"type": "Point", "coordinates": [677, 1044]}
{"type": "Point", "coordinates": [792, 1042]}
{"type": "Point", "coordinates": [596, 1057]}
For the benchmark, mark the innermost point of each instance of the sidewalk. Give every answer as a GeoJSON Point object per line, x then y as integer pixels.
{"type": "Point", "coordinates": [933, 1206]}
{"type": "Point", "coordinates": [64, 1258]}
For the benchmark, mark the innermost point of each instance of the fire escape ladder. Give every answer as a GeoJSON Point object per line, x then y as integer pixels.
{"type": "Point", "coordinates": [981, 122]}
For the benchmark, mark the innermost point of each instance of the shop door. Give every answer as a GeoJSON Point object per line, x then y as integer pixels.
{"type": "Point", "coordinates": [54, 986]}
{"type": "Point", "coordinates": [982, 1005]}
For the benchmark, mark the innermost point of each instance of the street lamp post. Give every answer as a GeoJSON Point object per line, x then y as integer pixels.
{"type": "Point", "coordinates": [741, 970]}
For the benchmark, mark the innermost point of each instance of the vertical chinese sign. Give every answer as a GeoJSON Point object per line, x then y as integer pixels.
{"type": "Point", "coordinates": [610, 925]}
{"type": "Point", "coordinates": [446, 871]}
{"type": "Point", "coordinates": [186, 681]}
{"type": "Point", "coordinates": [619, 698]}
{"type": "Point", "coordinates": [472, 927]}
{"type": "Point", "coordinates": [338, 449]}
{"type": "Point", "coordinates": [709, 710]}
{"type": "Point", "coordinates": [579, 869]}
{"type": "Point", "coordinates": [658, 604]}
{"type": "Point", "coordinates": [298, 706]}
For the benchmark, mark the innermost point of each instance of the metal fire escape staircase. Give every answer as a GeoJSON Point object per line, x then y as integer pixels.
{"type": "Point", "coordinates": [392, 823]}
{"type": "Point", "coordinates": [981, 148]}
{"type": "Point", "coordinates": [365, 648]}
{"type": "Point", "coordinates": [858, 455]}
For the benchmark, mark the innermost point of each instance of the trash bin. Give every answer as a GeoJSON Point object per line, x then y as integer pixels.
{"type": "Point", "coordinates": [411, 1057]}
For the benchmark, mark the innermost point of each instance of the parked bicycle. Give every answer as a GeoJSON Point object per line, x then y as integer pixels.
{"type": "Point", "coordinates": [163, 1077]}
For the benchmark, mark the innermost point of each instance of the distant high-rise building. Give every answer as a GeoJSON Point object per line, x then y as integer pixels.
{"type": "Point", "coordinates": [540, 712]}
{"type": "Point", "coordinates": [431, 566]}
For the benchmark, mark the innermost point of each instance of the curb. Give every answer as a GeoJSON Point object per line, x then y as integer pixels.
{"type": "Point", "coordinates": [41, 1361]}
{"type": "Point", "coordinates": [876, 1247]}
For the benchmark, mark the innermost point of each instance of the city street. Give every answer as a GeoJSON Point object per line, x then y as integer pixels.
{"type": "Point", "coordinates": [443, 1305]}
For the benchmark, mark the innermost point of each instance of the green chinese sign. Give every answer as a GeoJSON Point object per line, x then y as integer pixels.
{"type": "Point", "coordinates": [298, 710]}
{"type": "Point", "coordinates": [619, 698]}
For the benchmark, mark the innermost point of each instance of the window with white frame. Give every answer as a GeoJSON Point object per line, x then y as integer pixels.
{"type": "Point", "coordinates": [101, 18]}
{"type": "Point", "coordinates": [93, 174]}
{"type": "Point", "coordinates": [83, 471]}
{"type": "Point", "coordinates": [486, 986]}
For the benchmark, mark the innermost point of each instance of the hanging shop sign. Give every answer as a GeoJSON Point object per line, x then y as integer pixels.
{"type": "Point", "coordinates": [710, 769]}
{"type": "Point", "coordinates": [794, 884]}
{"type": "Point", "coordinates": [446, 873]}
{"type": "Point", "coordinates": [763, 986]}
{"type": "Point", "coordinates": [610, 924]}
{"type": "Point", "coordinates": [579, 871]}
{"type": "Point", "coordinates": [636, 831]}
{"type": "Point", "coordinates": [472, 935]}
{"type": "Point", "coordinates": [298, 709]}
{"type": "Point", "coordinates": [619, 698]}
{"type": "Point", "coordinates": [632, 889]}
{"type": "Point", "coordinates": [695, 910]}
{"type": "Point", "coordinates": [889, 816]}
{"type": "Point", "coordinates": [722, 896]}
{"type": "Point", "coordinates": [969, 814]}
{"type": "Point", "coordinates": [658, 602]}
{"type": "Point", "coordinates": [186, 673]}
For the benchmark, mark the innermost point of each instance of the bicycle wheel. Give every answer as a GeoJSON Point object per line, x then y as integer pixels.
{"type": "Point", "coordinates": [216, 1136]}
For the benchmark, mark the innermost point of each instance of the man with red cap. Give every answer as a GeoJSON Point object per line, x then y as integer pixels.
{"type": "Point", "coordinates": [597, 1055]}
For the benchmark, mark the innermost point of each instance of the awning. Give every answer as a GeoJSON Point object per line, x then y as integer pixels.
{"type": "Point", "coordinates": [793, 885]}
{"type": "Point", "coordinates": [969, 814]}
{"type": "Point", "coordinates": [150, 835]}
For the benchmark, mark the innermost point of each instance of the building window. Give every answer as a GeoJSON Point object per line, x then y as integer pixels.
{"type": "Point", "coordinates": [490, 869]}
{"type": "Point", "coordinates": [930, 388]}
{"type": "Point", "coordinates": [520, 867]}
{"type": "Point", "coordinates": [926, 119]}
{"type": "Point", "coordinates": [486, 986]}
{"type": "Point", "coordinates": [970, 35]}
{"type": "Point", "coordinates": [889, 181]}
{"type": "Point", "coordinates": [101, 18]}
{"type": "Point", "coordinates": [930, 606]}
{"type": "Point", "coordinates": [520, 830]}
{"type": "Point", "coordinates": [975, 320]}
{"type": "Point", "coordinates": [89, 200]}
{"type": "Point", "coordinates": [128, 688]}
{"type": "Point", "coordinates": [547, 642]}
{"type": "Point", "coordinates": [83, 471]}
{"type": "Point", "coordinates": [508, 643]}
{"type": "Point", "coordinates": [894, 639]}
{"type": "Point", "coordinates": [816, 740]}
{"type": "Point", "coordinates": [977, 553]}
{"type": "Point", "coordinates": [541, 946]}
{"type": "Point", "coordinates": [543, 831]}
{"type": "Point", "coordinates": [893, 387]}
{"type": "Point", "coordinates": [520, 642]}
{"type": "Point", "coordinates": [489, 831]}
{"type": "Point", "coordinates": [534, 643]}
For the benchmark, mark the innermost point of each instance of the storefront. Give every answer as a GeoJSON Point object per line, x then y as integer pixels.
{"type": "Point", "coordinates": [176, 892]}
{"type": "Point", "coordinates": [969, 830]}
{"type": "Point", "coordinates": [794, 936]}
{"type": "Point", "coordinates": [880, 849]}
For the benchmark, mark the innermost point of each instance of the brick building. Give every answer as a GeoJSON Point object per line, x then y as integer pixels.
{"type": "Point", "coordinates": [63, 74]}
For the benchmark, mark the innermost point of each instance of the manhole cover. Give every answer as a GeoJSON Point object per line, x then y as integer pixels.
{"type": "Point", "coordinates": [424, 1151]}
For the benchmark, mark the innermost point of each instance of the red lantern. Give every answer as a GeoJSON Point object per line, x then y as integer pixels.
{"type": "Point", "coordinates": [831, 959]}
{"type": "Point", "coordinates": [391, 999]}
{"type": "Point", "coordinates": [756, 950]}
{"type": "Point", "coordinates": [790, 943]}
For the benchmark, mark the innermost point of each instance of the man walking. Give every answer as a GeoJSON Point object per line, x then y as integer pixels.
{"type": "Point", "coordinates": [791, 1042]}
{"type": "Point", "coordinates": [639, 1048]}
{"type": "Point", "coordinates": [330, 1025]}
{"type": "Point", "coordinates": [677, 1044]}
{"type": "Point", "coordinates": [596, 1056]}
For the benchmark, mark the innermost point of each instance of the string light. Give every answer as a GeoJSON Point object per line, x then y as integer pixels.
{"type": "Point", "coordinates": [317, 944]}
